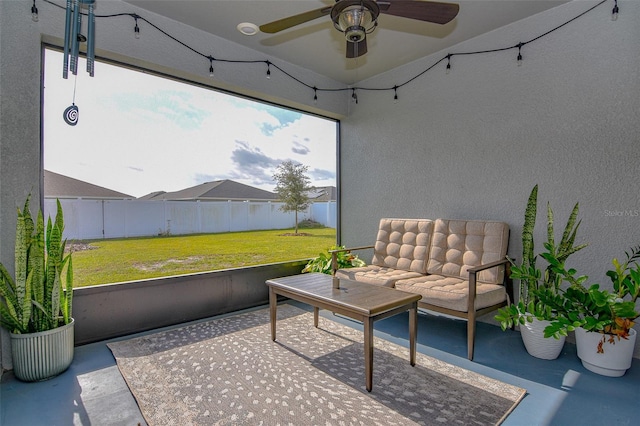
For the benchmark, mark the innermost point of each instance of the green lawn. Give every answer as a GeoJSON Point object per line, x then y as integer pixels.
{"type": "Point", "coordinates": [117, 260]}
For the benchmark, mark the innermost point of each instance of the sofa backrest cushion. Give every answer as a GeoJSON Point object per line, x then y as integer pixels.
{"type": "Point", "coordinates": [403, 244]}
{"type": "Point", "coordinates": [458, 245]}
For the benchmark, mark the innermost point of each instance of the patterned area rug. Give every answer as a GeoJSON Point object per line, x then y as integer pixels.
{"type": "Point", "coordinates": [227, 371]}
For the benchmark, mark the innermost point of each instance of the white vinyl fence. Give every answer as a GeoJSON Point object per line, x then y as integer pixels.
{"type": "Point", "coordinates": [96, 219]}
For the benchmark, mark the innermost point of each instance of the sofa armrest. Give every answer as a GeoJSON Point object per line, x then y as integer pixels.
{"type": "Point", "coordinates": [479, 268]}
{"type": "Point", "coordinates": [473, 278]}
{"type": "Point", "coordinates": [334, 256]}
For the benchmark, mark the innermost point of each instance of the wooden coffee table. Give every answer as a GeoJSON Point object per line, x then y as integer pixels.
{"type": "Point", "coordinates": [363, 302]}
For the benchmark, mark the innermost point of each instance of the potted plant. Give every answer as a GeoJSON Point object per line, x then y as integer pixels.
{"type": "Point", "coordinates": [530, 312]}
{"type": "Point", "coordinates": [602, 319]}
{"type": "Point", "coordinates": [323, 263]}
{"type": "Point", "coordinates": [35, 304]}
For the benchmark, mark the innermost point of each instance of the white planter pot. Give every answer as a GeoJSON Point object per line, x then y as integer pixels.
{"type": "Point", "coordinates": [536, 344]}
{"type": "Point", "coordinates": [43, 355]}
{"type": "Point", "coordinates": [615, 360]}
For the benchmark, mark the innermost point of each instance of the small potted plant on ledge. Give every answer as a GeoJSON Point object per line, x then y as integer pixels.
{"type": "Point", "coordinates": [530, 312]}
{"type": "Point", "coordinates": [323, 262]}
{"type": "Point", "coordinates": [35, 304]}
{"type": "Point", "coordinates": [602, 319]}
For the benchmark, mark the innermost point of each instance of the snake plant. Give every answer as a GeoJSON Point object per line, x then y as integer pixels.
{"type": "Point", "coordinates": [39, 296]}
{"type": "Point", "coordinates": [532, 279]}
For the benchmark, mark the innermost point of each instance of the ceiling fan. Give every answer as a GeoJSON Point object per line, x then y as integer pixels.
{"type": "Point", "coordinates": [357, 18]}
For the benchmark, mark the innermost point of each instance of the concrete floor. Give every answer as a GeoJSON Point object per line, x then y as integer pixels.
{"type": "Point", "coordinates": [560, 392]}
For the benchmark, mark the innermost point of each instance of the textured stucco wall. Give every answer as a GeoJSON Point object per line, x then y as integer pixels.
{"type": "Point", "coordinates": [471, 144]}
{"type": "Point", "coordinates": [20, 85]}
{"type": "Point", "coordinates": [19, 130]}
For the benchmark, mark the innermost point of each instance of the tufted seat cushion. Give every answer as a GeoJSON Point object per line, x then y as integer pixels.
{"type": "Point", "coordinates": [458, 245]}
{"type": "Point", "coordinates": [403, 244]}
{"type": "Point", "coordinates": [400, 252]}
{"type": "Point", "coordinates": [452, 293]}
{"type": "Point", "coordinates": [378, 275]}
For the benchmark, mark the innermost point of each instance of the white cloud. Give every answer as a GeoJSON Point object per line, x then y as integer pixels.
{"type": "Point", "coordinates": [138, 133]}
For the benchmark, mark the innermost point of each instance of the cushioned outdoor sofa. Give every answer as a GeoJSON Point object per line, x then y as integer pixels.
{"type": "Point", "coordinates": [458, 266]}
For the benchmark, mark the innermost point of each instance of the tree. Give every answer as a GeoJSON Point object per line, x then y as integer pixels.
{"type": "Point", "coordinates": [293, 186]}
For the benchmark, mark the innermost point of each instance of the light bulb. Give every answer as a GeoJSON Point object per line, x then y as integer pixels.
{"type": "Point", "coordinates": [34, 13]}
{"type": "Point", "coordinates": [519, 59]}
{"type": "Point", "coordinates": [614, 12]}
{"type": "Point", "coordinates": [136, 31]}
{"type": "Point", "coordinates": [211, 73]}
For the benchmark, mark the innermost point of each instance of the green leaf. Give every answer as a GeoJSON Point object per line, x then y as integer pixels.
{"type": "Point", "coordinates": [21, 249]}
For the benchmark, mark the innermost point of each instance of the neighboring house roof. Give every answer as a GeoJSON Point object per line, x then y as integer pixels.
{"type": "Point", "coordinates": [60, 186]}
{"type": "Point", "coordinates": [218, 190]}
{"type": "Point", "coordinates": [324, 193]}
{"type": "Point", "coordinates": [152, 195]}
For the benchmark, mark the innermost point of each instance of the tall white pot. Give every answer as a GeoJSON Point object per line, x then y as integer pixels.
{"type": "Point", "coordinates": [536, 344]}
{"type": "Point", "coordinates": [43, 355]}
{"type": "Point", "coordinates": [616, 359]}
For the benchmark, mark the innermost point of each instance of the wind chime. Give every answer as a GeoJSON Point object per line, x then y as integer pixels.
{"type": "Point", "coordinates": [72, 40]}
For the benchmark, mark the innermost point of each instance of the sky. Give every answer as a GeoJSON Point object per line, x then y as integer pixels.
{"type": "Point", "coordinates": [137, 133]}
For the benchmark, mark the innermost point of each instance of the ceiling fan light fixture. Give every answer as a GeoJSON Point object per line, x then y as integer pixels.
{"type": "Point", "coordinates": [355, 18]}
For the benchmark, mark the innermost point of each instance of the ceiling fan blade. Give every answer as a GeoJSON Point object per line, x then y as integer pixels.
{"type": "Point", "coordinates": [292, 21]}
{"type": "Point", "coordinates": [355, 50]}
{"type": "Point", "coordinates": [439, 13]}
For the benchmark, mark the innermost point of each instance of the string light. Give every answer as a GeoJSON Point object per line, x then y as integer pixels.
{"type": "Point", "coordinates": [519, 59]}
{"type": "Point", "coordinates": [614, 12]}
{"type": "Point", "coordinates": [211, 73]}
{"type": "Point", "coordinates": [34, 12]}
{"type": "Point", "coordinates": [136, 29]}
{"type": "Point", "coordinates": [72, 52]}
{"type": "Point", "coordinates": [395, 94]}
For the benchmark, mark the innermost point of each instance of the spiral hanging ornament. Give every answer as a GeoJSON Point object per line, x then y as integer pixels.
{"type": "Point", "coordinates": [71, 115]}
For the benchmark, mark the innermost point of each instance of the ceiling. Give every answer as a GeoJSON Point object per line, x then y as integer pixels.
{"type": "Point", "coordinates": [318, 46]}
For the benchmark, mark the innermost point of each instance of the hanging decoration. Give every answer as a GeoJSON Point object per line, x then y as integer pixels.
{"type": "Point", "coordinates": [71, 115]}
{"type": "Point", "coordinates": [73, 36]}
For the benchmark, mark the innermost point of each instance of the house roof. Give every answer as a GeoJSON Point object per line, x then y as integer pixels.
{"type": "Point", "coordinates": [217, 190]}
{"type": "Point", "coordinates": [152, 195]}
{"type": "Point", "coordinates": [60, 186]}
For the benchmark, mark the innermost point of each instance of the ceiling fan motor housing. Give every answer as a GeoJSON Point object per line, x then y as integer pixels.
{"type": "Point", "coordinates": [355, 18]}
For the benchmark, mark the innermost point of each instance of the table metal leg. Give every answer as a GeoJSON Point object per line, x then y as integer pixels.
{"type": "Point", "coordinates": [368, 352]}
{"type": "Point", "coordinates": [413, 331]}
{"type": "Point", "coordinates": [273, 306]}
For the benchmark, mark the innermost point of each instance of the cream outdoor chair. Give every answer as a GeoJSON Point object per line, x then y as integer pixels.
{"type": "Point", "coordinates": [461, 271]}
